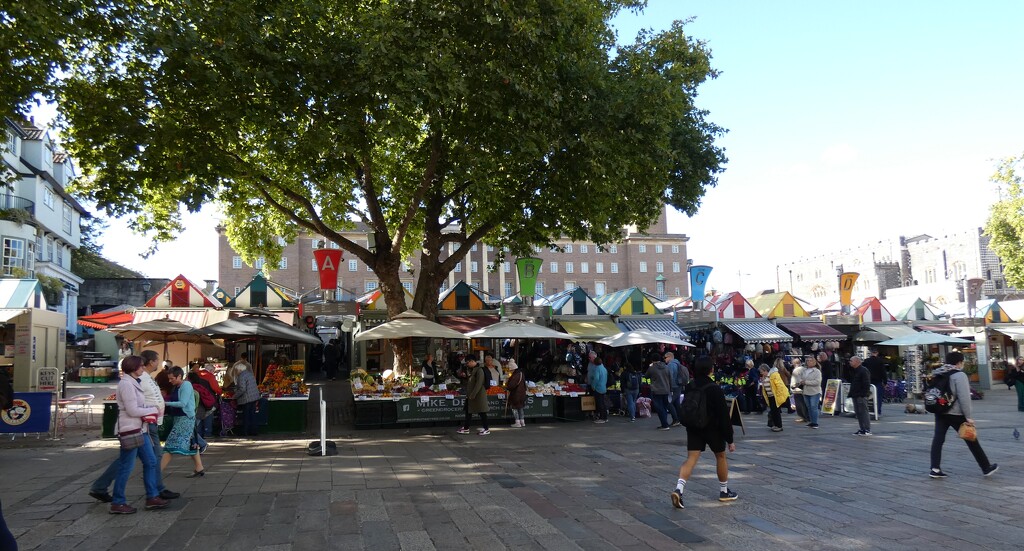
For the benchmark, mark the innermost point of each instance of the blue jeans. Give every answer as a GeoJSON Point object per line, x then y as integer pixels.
{"type": "Point", "coordinates": [150, 470]}
{"type": "Point", "coordinates": [630, 397]}
{"type": "Point", "coordinates": [674, 403]}
{"type": "Point", "coordinates": [812, 408]}
{"type": "Point", "coordinates": [197, 433]}
{"type": "Point", "coordinates": [102, 483]}
{"type": "Point", "coordinates": [661, 405]}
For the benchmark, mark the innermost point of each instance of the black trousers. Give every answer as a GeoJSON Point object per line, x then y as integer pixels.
{"type": "Point", "coordinates": [945, 422]}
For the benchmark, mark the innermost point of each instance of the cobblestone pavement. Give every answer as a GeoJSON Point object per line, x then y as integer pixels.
{"type": "Point", "coordinates": [548, 486]}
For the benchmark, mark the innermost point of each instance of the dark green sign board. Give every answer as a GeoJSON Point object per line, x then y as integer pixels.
{"type": "Point", "coordinates": [439, 408]}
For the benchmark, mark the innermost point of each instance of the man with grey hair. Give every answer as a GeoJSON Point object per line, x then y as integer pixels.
{"type": "Point", "coordinates": [860, 388]}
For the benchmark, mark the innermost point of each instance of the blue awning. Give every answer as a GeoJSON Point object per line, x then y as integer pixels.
{"type": "Point", "coordinates": [758, 332]}
{"type": "Point", "coordinates": [657, 325]}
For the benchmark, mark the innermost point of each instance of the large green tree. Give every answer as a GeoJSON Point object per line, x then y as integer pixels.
{"type": "Point", "coordinates": [432, 123]}
{"type": "Point", "coordinates": [1006, 219]}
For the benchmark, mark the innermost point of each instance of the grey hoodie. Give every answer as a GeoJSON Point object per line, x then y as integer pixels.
{"type": "Point", "coordinates": [960, 386]}
{"type": "Point", "coordinates": [660, 378]}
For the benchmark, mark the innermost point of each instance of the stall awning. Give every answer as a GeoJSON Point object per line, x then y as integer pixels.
{"type": "Point", "coordinates": [465, 324]}
{"type": "Point", "coordinates": [195, 318]}
{"type": "Point", "coordinates": [594, 330]}
{"type": "Point", "coordinates": [876, 332]}
{"type": "Point", "coordinates": [7, 314]}
{"type": "Point", "coordinates": [757, 332]}
{"type": "Point", "coordinates": [657, 325]}
{"type": "Point", "coordinates": [944, 328]}
{"type": "Point", "coordinates": [1015, 333]}
{"type": "Point", "coordinates": [105, 320]}
{"type": "Point", "coordinates": [813, 331]}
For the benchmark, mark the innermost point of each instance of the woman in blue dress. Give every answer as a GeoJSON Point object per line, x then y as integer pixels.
{"type": "Point", "coordinates": [181, 407]}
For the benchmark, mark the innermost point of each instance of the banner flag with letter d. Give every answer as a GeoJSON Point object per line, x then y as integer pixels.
{"type": "Point", "coordinates": [846, 282]}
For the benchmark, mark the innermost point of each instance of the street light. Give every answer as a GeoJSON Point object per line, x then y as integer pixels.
{"type": "Point", "coordinates": [145, 286]}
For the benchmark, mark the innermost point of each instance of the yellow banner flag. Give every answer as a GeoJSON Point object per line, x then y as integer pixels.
{"type": "Point", "coordinates": [846, 282]}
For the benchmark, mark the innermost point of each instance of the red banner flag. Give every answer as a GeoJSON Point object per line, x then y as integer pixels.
{"type": "Point", "coordinates": [327, 263]}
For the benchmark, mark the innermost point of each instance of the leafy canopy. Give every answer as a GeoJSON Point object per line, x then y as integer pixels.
{"type": "Point", "coordinates": [1006, 219]}
{"type": "Point", "coordinates": [428, 122]}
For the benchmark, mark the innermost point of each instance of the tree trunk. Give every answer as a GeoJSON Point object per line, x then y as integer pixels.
{"type": "Point", "coordinates": [387, 270]}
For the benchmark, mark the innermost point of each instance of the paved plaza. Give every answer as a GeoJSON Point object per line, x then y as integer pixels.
{"type": "Point", "coordinates": [559, 485]}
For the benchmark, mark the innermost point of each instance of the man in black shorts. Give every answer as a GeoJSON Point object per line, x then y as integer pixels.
{"type": "Point", "coordinates": [717, 435]}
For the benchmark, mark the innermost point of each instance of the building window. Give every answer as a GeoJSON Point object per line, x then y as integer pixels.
{"type": "Point", "coordinates": [508, 289]}
{"type": "Point", "coordinates": [675, 250]}
{"type": "Point", "coordinates": [473, 248]}
{"type": "Point", "coordinates": [14, 255]}
{"type": "Point", "coordinates": [237, 290]}
{"type": "Point", "coordinates": [583, 248]}
{"type": "Point", "coordinates": [584, 267]}
{"type": "Point", "coordinates": [659, 267]}
{"type": "Point", "coordinates": [677, 292]}
{"type": "Point", "coordinates": [474, 266]}
{"type": "Point", "coordinates": [12, 142]}
{"type": "Point", "coordinates": [236, 261]}
{"type": "Point", "coordinates": [48, 197]}
{"type": "Point", "coordinates": [39, 247]}
{"type": "Point", "coordinates": [643, 267]}
{"type": "Point", "coordinates": [568, 267]}
{"type": "Point", "coordinates": [614, 267]}
{"type": "Point", "coordinates": [597, 249]}
{"type": "Point", "coordinates": [60, 254]}
{"type": "Point", "coordinates": [315, 268]}
{"type": "Point", "coordinates": [368, 269]}
{"type": "Point", "coordinates": [613, 249]}
{"type": "Point", "coordinates": [458, 267]}
{"type": "Point", "coordinates": [407, 285]}
{"type": "Point", "coordinates": [599, 267]}
{"type": "Point", "coordinates": [259, 263]}
{"type": "Point", "coordinates": [675, 268]}
{"type": "Point", "coordinates": [536, 248]}
{"type": "Point", "coordinates": [507, 266]}
{"type": "Point", "coordinates": [643, 248]}
{"type": "Point", "coordinates": [660, 289]}
{"type": "Point", "coordinates": [315, 243]}
{"type": "Point", "coordinates": [929, 275]}
{"type": "Point", "coordinates": [570, 285]}
{"type": "Point", "coordinates": [490, 248]}
{"type": "Point", "coordinates": [553, 268]}
{"type": "Point", "coordinates": [353, 265]}
{"type": "Point", "coordinates": [444, 286]}
{"type": "Point", "coordinates": [370, 286]}
{"type": "Point", "coordinates": [283, 264]}
{"type": "Point", "coordinates": [335, 245]}
{"type": "Point", "coordinates": [658, 249]}
{"type": "Point", "coordinates": [598, 288]}
{"type": "Point", "coordinates": [538, 289]}
{"type": "Point", "coordinates": [568, 247]}
{"type": "Point", "coordinates": [67, 219]}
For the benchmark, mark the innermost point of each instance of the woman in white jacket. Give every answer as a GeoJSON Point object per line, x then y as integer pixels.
{"type": "Point", "coordinates": [811, 378]}
{"type": "Point", "coordinates": [133, 414]}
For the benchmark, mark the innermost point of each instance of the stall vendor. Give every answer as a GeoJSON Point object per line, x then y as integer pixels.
{"type": "Point", "coordinates": [428, 371]}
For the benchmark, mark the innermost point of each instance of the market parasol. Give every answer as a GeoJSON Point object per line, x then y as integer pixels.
{"type": "Point", "coordinates": [259, 326]}
{"type": "Point", "coordinates": [163, 330]}
{"type": "Point", "coordinates": [518, 329]}
{"type": "Point", "coordinates": [409, 324]}
{"type": "Point", "coordinates": [923, 338]}
{"type": "Point", "coordinates": [641, 336]}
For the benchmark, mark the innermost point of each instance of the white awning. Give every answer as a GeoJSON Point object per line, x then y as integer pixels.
{"type": "Point", "coordinates": [7, 314]}
{"type": "Point", "coordinates": [1015, 333]}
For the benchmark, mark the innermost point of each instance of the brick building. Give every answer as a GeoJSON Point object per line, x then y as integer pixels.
{"type": "Point", "coordinates": [654, 261]}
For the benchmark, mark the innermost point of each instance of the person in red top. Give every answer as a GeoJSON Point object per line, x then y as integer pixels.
{"type": "Point", "coordinates": [206, 373]}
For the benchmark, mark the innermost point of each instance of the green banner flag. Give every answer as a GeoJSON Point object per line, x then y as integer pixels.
{"type": "Point", "coordinates": [528, 268]}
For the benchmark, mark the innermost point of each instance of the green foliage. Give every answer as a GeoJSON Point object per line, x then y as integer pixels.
{"type": "Point", "coordinates": [53, 289]}
{"type": "Point", "coordinates": [513, 122]}
{"type": "Point", "coordinates": [1006, 219]}
{"type": "Point", "coordinates": [88, 264]}
{"type": "Point", "coordinates": [20, 216]}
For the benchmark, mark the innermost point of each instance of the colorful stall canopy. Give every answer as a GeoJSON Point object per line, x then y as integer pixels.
{"type": "Point", "coordinates": [571, 302]}
{"type": "Point", "coordinates": [778, 305]}
{"type": "Point", "coordinates": [1015, 332]}
{"type": "Point", "coordinates": [872, 311]}
{"type": "Point", "coordinates": [812, 331]}
{"type": "Point", "coordinates": [465, 324]}
{"type": "Point", "coordinates": [103, 320]}
{"type": "Point", "coordinates": [627, 302]}
{"type": "Point", "coordinates": [589, 330]}
{"type": "Point", "coordinates": [193, 317]}
{"type": "Point", "coordinates": [753, 332]}
{"type": "Point", "coordinates": [734, 306]}
{"type": "Point", "coordinates": [181, 293]}
{"type": "Point", "coordinates": [911, 310]}
{"type": "Point", "coordinates": [944, 328]}
{"type": "Point", "coordinates": [21, 293]}
{"type": "Point", "coordinates": [374, 300]}
{"type": "Point", "coordinates": [663, 325]}
{"type": "Point", "coordinates": [462, 297]}
{"type": "Point", "coordinates": [261, 293]}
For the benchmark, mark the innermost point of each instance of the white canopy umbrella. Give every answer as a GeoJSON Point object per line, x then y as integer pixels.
{"type": "Point", "coordinates": [641, 336]}
{"type": "Point", "coordinates": [518, 329]}
{"type": "Point", "coordinates": [409, 324]}
{"type": "Point", "coordinates": [922, 338]}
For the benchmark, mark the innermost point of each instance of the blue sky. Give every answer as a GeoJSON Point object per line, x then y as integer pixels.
{"type": "Point", "coordinates": [847, 122]}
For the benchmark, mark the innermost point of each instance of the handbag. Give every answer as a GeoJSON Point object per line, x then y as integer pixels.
{"type": "Point", "coordinates": [968, 432]}
{"type": "Point", "coordinates": [130, 440]}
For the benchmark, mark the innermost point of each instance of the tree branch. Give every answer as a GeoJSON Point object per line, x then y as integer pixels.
{"type": "Point", "coordinates": [429, 177]}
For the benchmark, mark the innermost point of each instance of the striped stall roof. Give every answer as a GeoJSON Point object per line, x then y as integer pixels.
{"type": "Point", "coordinates": [811, 331]}
{"type": "Point", "coordinates": [195, 317]}
{"type": "Point", "coordinates": [658, 325]}
{"type": "Point", "coordinates": [757, 332]}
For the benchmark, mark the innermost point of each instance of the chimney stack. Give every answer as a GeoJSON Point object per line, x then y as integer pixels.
{"type": "Point", "coordinates": [211, 286]}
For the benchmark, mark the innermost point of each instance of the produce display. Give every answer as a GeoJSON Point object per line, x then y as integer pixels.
{"type": "Point", "coordinates": [366, 386]}
{"type": "Point", "coordinates": [284, 380]}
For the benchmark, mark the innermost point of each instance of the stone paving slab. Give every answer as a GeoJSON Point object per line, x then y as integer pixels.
{"type": "Point", "coordinates": [554, 486]}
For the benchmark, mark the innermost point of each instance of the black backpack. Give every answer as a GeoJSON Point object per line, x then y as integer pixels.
{"type": "Point", "coordinates": [938, 394]}
{"type": "Point", "coordinates": [694, 411]}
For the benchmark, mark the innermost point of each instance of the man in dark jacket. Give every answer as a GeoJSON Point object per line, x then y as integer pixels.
{"type": "Point", "coordinates": [717, 435]}
{"type": "Point", "coordinates": [860, 387]}
{"type": "Point", "coordinates": [876, 367]}
{"type": "Point", "coordinates": [331, 356]}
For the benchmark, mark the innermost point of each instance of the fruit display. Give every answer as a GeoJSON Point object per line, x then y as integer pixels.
{"type": "Point", "coordinates": [284, 381]}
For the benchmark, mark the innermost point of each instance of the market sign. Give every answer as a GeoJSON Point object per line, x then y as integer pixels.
{"type": "Point", "coordinates": [327, 262]}
{"type": "Point", "coordinates": [441, 408]}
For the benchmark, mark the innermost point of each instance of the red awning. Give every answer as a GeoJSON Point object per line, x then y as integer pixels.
{"type": "Point", "coordinates": [813, 331]}
{"type": "Point", "coordinates": [106, 319]}
{"type": "Point", "coordinates": [944, 328]}
{"type": "Point", "coordinates": [465, 324]}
